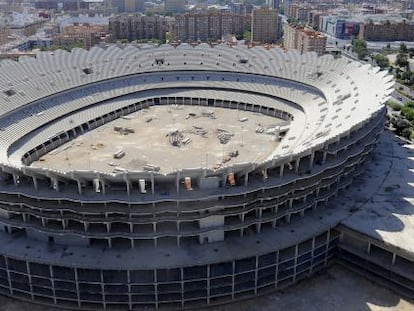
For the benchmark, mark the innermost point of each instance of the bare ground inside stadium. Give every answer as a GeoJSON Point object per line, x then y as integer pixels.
{"type": "Point", "coordinates": [170, 138]}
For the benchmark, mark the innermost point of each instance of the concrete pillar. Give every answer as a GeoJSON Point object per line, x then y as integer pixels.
{"type": "Point", "coordinates": [16, 179]}
{"type": "Point", "coordinates": [297, 163]}
{"type": "Point", "coordinates": [312, 253]}
{"type": "Point", "coordinates": [177, 182]}
{"type": "Point", "coordinates": [246, 179]}
{"type": "Point", "coordinates": [152, 184]}
{"type": "Point", "coordinates": [265, 176]}
{"type": "Point", "coordinates": [325, 153]}
{"type": "Point", "coordinates": [34, 182]}
{"type": "Point", "coordinates": [394, 257]}
{"type": "Point", "coordinates": [311, 160]}
{"type": "Point", "coordinates": [79, 187]}
{"type": "Point", "coordinates": [282, 167]}
{"type": "Point", "coordinates": [208, 284]}
{"type": "Point", "coordinates": [295, 261]}
{"type": "Point", "coordinates": [369, 248]}
{"type": "Point", "coordinates": [287, 218]}
{"type": "Point", "coordinates": [128, 186]}
{"type": "Point", "coordinates": [277, 267]}
{"type": "Point", "coordinates": [103, 187]}
{"type": "Point", "coordinates": [55, 184]}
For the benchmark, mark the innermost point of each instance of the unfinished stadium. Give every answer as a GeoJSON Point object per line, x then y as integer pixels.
{"type": "Point", "coordinates": [177, 177]}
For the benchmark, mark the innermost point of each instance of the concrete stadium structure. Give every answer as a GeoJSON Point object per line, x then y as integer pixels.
{"type": "Point", "coordinates": [193, 236]}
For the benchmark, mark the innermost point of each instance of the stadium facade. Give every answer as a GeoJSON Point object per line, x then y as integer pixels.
{"type": "Point", "coordinates": [194, 236]}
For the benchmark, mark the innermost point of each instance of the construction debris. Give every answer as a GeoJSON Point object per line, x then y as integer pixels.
{"type": "Point", "coordinates": [259, 130]}
{"type": "Point", "coordinates": [124, 130]}
{"type": "Point", "coordinates": [177, 139]}
{"type": "Point", "coordinates": [208, 114]}
{"type": "Point", "coordinates": [224, 136]}
{"type": "Point", "coordinates": [197, 130]}
{"type": "Point", "coordinates": [119, 154]}
{"type": "Point", "coordinates": [151, 168]}
{"type": "Point", "coordinates": [233, 154]}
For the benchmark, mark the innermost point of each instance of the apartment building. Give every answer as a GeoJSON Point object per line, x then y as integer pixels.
{"type": "Point", "coordinates": [387, 31]}
{"type": "Point", "coordinates": [88, 35]}
{"type": "Point", "coordinates": [304, 39]}
{"type": "Point", "coordinates": [138, 26]}
{"type": "Point", "coordinates": [4, 35]}
{"type": "Point", "coordinates": [174, 6]}
{"type": "Point", "coordinates": [210, 26]}
{"type": "Point", "coordinates": [266, 25]}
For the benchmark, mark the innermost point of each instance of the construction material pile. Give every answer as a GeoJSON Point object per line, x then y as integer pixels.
{"type": "Point", "coordinates": [224, 136]}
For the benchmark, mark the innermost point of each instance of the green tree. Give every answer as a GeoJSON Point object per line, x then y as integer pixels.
{"type": "Point", "coordinates": [382, 61]}
{"type": "Point", "coordinates": [360, 48]}
{"type": "Point", "coordinates": [247, 35]}
{"type": "Point", "coordinates": [408, 77]}
{"type": "Point", "coordinates": [401, 60]}
{"type": "Point", "coordinates": [169, 36]}
{"type": "Point", "coordinates": [400, 124]}
{"type": "Point", "coordinates": [403, 48]}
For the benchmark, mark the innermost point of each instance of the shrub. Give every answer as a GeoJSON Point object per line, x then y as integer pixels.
{"type": "Point", "coordinates": [394, 105]}
{"type": "Point", "coordinates": [407, 132]}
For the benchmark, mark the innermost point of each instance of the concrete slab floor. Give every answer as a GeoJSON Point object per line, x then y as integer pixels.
{"type": "Point", "coordinates": [206, 136]}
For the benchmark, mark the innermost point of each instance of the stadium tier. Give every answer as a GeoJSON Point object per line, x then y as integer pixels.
{"type": "Point", "coordinates": [176, 177]}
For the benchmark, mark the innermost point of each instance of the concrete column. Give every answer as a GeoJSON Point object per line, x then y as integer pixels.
{"type": "Point", "coordinates": [34, 182]}
{"type": "Point", "coordinates": [312, 253]}
{"type": "Point", "coordinates": [277, 268]}
{"type": "Point", "coordinates": [16, 179]}
{"type": "Point", "coordinates": [246, 179]}
{"type": "Point", "coordinates": [295, 261]}
{"type": "Point", "coordinates": [328, 237]}
{"type": "Point", "coordinates": [394, 257]}
{"type": "Point", "coordinates": [265, 176]}
{"type": "Point", "coordinates": [369, 248]}
{"type": "Point", "coordinates": [325, 153]}
{"type": "Point", "coordinates": [152, 184]}
{"type": "Point", "coordinates": [103, 187]}
{"type": "Point", "coordinates": [128, 186]}
{"type": "Point", "coordinates": [297, 163]}
{"type": "Point", "coordinates": [256, 274]}
{"type": "Point", "coordinates": [311, 160]}
{"type": "Point", "coordinates": [287, 218]}
{"type": "Point", "coordinates": [55, 184]}
{"type": "Point", "coordinates": [208, 284]}
{"type": "Point", "coordinates": [282, 167]}
{"type": "Point", "coordinates": [177, 182]}
{"type": "Point", "coordinates": [79, 187]}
